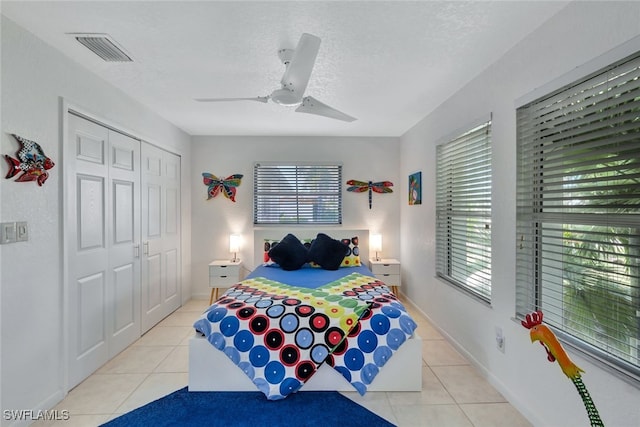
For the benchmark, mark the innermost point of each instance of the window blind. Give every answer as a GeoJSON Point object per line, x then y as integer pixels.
{"type": "Point", "coordinates": [578, 213]}
{"type": "Point", "coordinates": [463, 209]}
{"type": "Point", "coordinates": [297, 193]}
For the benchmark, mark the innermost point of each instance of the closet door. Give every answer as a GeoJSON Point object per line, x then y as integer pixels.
{"type": "Point", "coordinates": [161, 260]}
{"type": "Point", "coordinates": [124, 251]}
{"type": "Point", "coordinates": [102, 237]}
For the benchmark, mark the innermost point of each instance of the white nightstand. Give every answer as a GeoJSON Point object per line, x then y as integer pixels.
{"type": "Point", "coordinates": [387, 270]}
{"type": "Point", "coordinates": [223, 274]}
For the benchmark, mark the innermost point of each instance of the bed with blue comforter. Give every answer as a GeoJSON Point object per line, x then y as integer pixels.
{"type": "Point", "coordinates": [279, 326]}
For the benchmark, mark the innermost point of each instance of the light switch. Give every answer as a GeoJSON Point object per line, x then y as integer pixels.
{"type": "Point", "coordinates": [7, 232]}
{"type": "Point", "coordinates": [22, 231]}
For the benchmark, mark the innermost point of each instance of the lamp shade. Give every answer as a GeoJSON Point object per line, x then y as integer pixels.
{"type": "Point", "coordinates": [234, 243]}
{"type": "Point", "coordinates": [375, 242]}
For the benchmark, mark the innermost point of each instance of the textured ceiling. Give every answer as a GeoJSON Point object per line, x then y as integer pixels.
{"type": "Point", "coordinates": [387, 63]}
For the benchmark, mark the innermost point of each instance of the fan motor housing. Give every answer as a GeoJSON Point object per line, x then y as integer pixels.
{"type": "Point", "coordinates": [285, 55]}
{"type": "Point", "coordinates": [285, 97]}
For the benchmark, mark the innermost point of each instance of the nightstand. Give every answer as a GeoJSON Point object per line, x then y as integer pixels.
{"type": "Point", "coordinates": [387, 270]}
{"type": "Point", "coordinates": [223, 274]}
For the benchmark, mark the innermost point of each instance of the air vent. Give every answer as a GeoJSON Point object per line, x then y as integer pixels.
{"type": "Point", "coordinates": [103, 46]}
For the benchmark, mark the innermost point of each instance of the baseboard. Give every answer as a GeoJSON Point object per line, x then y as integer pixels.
{"type": "Point", "coordinates": [511, 397]}
{"type": "Point", "coordinates": [44, 407]}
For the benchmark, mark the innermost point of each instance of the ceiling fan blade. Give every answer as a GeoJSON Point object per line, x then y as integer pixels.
{"type": "Point", "coordinates": [311, 105]}
{"type": "Point", "coordinates": [257, 98]}
{"type": "Point", "coordinates": [299, 70]}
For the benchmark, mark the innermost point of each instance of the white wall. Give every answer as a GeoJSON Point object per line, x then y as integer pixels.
{"type": "Point", "coordinates": [213, 220]}
{"type": "Point", "coordinates": [579, 33]}
{"type": "Point", "coordinates": [34, 78]}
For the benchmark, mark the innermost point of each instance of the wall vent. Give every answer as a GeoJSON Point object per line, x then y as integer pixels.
{"type": "Point", "coordinates": [103, 46]}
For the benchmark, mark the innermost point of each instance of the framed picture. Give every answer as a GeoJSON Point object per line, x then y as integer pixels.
{"type": "Point", "coordinates": [415, 188]}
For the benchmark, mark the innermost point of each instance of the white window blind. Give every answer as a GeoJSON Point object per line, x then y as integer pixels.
{"type": "Point", "coordinates": [285, 193]}
{"type": "Point", "coordinates": [578, 220]}
{"type": "Point", "coordinates": [463, 209]}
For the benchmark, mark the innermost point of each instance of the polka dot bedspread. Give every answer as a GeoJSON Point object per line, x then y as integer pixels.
{"type": "Point", "coordinates": [279, 335]}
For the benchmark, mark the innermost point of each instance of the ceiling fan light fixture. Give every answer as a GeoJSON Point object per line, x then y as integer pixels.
{"type": "Point", "coordinates": [285, 97]}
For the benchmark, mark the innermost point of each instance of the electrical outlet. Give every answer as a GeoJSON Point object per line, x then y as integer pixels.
{"type": "Point", "coordinates": [22, 231]}
{"type": "Point", "coordinates": [500, 340]}
{"type": "Point", "coordinates": [7, 232]}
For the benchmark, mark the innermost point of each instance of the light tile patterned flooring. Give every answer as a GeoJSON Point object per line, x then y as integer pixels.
{"type": "Point", "coordinates": [453, 393]}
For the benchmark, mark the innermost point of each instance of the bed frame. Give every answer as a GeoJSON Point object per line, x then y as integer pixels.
{"type": "Point", "coordinates": [211, 370]}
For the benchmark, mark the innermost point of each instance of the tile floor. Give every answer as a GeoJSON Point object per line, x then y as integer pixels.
{"type": "Point", "coordinates": [453, 393]}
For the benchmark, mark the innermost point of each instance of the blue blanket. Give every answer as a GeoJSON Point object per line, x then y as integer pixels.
{"type": "Point", "coordinates": [306, 277]}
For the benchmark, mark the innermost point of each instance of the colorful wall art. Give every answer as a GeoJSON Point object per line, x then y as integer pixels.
{"type": "Point", "coordinates": [32, 164]}
{"type": "Point", "coordinates": [362, 186]}
{"type": "Point", "coordinates": [225, 186]}
{"type": "Point", "coordinates": [415, 188]}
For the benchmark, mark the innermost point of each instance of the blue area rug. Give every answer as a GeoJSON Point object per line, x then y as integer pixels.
{"type": "Point", "coordinates": [251, 409]}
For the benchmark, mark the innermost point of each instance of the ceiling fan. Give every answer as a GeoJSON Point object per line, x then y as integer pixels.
{"type": "Point", "coordinates": [299, 65]}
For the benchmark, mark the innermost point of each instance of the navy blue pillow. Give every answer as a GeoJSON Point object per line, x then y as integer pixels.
{"type": "Point", "coordinates": [289, 253]}
{"type": "Point", "coordinates": [328, 253]}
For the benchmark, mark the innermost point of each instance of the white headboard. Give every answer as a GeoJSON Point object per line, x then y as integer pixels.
{"type": "Point", "coordinates": [259, 235]}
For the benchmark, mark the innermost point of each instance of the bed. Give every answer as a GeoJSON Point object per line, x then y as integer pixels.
{"type": "Point", "coordinates": [306, 329]}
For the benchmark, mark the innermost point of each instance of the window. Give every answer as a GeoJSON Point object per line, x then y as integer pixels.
{"type": "Point", "coordinates": [578, 219]}
{"type": "Point", "coordinates": [289, 193]}
{"type": "Point", "coordinates": [463, 209]}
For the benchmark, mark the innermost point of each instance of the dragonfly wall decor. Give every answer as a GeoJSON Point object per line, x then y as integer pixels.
{"type": "Point", "coordinates": [362, 186]}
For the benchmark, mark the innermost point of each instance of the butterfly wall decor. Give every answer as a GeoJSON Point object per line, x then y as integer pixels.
{"type": "Point", "coordinates": [362, 186]}
{"type": "Point", "coordinates": [226, 186]}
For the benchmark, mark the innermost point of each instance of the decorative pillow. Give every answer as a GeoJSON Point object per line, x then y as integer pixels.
{"type": "Point", "coordinates": [352, 259]}
{"type": "Point", "coordinates": [289, 253]}
{"type": "Point", "coordinates": [306, 243]}
{"type": "Point", "coordinates": [328, 253]}
{"type": "Point", "coordinates": [268, 244]}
